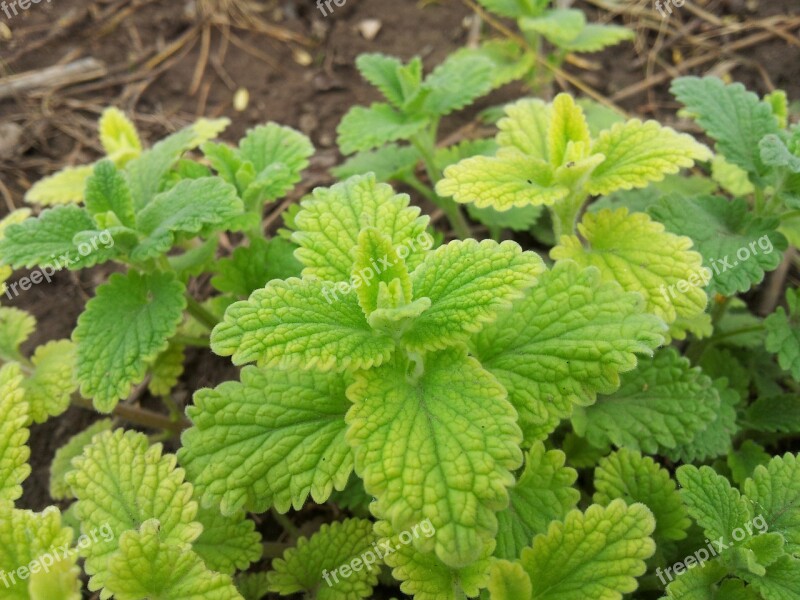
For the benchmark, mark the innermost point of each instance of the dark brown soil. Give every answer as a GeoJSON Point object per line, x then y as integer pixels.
{"type": "Point", "coordinates": [58, 126]}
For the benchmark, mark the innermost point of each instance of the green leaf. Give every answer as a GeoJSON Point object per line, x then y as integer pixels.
{"type": "Point", "coordinates": [783, 333]}
{"type": "Point", "coordinates": [637, 253]}
{"type": "Point", "coordinates": [228, 543]}
{"type": "Point", "coordinates": [65, 187]}
{"type": "Point", "coordinates": [525, 128]}
{"type": "Point", "coordinates": [697, 583]}
{"type": "Point", "coordinates": [531, 349]}
{"type": "Point", "coordinates": [378, 269]}
{"type": "Point", "coordinates": [384, 73]}
{"type": "Point", "coordinates": [253, 586]}
{"type": "Point", "coordinates": [515, 219]}
{"type": "Point", "coordinates": [663, 404]}
{"type": "Point", "coordinates": [395, 417]}
{"type": "Point", "coordinates": [711, 501]}
{"type": "Point", "coordinates": [278, 155]}
{"type": "Point", "coordinates": [457, 83]}
{"type": "Point", "coordinates": [47, 239]}
{"type": "Point", "coordinates": [781, 580]}
{"type": "Point", "coordinates": [147, 172]}
{"type": "Point", "coordinates": [775, 492]}
{"type": "Point", "coordinates": [502, 182]}
{"type": "Point", "coordinates": [509, 581]}
{"type": "Point", "coordinates": [716, 439]}
{"type": "Point", "coordinates": [118, 136]}
{"type": "Point", "coordinates": [331, 219]}
{"type": "Point", "coordinates": [731, 115]}
{"type": "Point", "coordinates": [27, 537]}
{"type": "Point", "coordinates": [270, 440]}
{"type": "Point", "coordinates": [515, 8]}
{"type": "Point", "coordinates": [557, 26]}
{"type": "Point", "coordinates": [121, 482]}
{"type": "Point", "coordinates": [774, 413]}
{"type": "Point", "coordinates": [743, 462]}
{"type": "Point", "coordinates": [596, 554]}
{"type": "Point", "coordinates": [316, 564]}
{"type": "Point", "coordinates": [737, 247]}
{"type": "Point", "coordinates": [594, 37]}
{"type": "Point", "coordinates": [49, 387]}
{"type": "Point", "coordinates": [774, 153]}
{"type": "Point", "coordinates": [509, 61]}
{"type": "Point", "coordinates": [251, 267]}
{"type": "Point", "coordinates": [300, 323]}
{"type": "Point", "coordinates": [123, 329]}
{"type": "Point", "coordinates": [62, 461]}
{"type": "Point", "coordinates": [567, 130]}
{"type": "Point", "coordinates": [543, 493]}
{"type": "Point", "coordinates": [16, 327]}
{"type": "Point", "coordinates": [731, 178]}
{"type": "Point", "coordinates": [107, 191]}
{"type": "Point", "coordinates": [190, 206]}
{"type": "Point", "coordinates": [387, 162]}
{"type": "Point", "coordinates": [423, 575]}
{"type": "Point", "coordinates": [366, 128]}
{"type": "Point", "coordinates": [628, 475]}
{"type": "Point", "coordinates": [167, 370]}
{"type": "Point", "coordinates": [14, 419]}
{"type": "Point", "coordinates": [468, 283]}
{"type": "Point", "coordinates": [637, 154]}
{"type": "Point", "coordinates": [147, 566]}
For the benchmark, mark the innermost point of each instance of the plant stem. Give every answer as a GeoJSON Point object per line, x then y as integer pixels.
{"type": "Point", "coordinates": [139, 416]}
{"type": "Point", "coordinates": [425, 145]}
{"type": "Point", "coordinates": [200, 313]}
{"type": "Point", "coordinates": [565, 213]}
{"type": "Point", "coordinates": [287, 524]}
{"type": "Point", "coordinates": [187, 340]}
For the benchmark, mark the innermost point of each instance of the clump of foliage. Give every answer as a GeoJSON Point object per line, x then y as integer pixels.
{"type": "Point", "coordinates": [557, 428]}
{"type": "Point", "coordinates": [547, 37]}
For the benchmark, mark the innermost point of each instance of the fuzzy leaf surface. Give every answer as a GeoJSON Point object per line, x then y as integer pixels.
{"type": "Point", "coordinates": [331, 219]}
{"type": "Point", "coordinates": [121, 482]}
{"type": "Point", "coordinates": [568, 339]}
{"type": "Point", "coordinates": [146, 566]}
{"type": "Point", "coordinates": [300, 323]}
{"type": "Point", "coordinates": [427, 450]}
{"type": "Point", "coordinates": [637, 253]}
{"type": "Point", "coordinates": [303, 567]}
{"type": "Point", "coordinates": [123, 329]}
{"type": "Point", "coordinates": [544, 493]}
{"type": "Point", "coordinates": [662, 404]}
{"type": "Point", "coordinates": [14, 434]}
{"type": "Point", "coordinates": [270, 440]}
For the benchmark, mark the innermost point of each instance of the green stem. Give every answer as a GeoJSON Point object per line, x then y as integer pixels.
{"type": "Point", "coordinates": [200, 313]}
{"type": "Point", "coordinates": [425, 145]}
{"type": "Point", "coordinates": [187, 340]}
{"type": "Point", "coordinates": [565, 214]}
{"type": "Point", "coordinates": [287, 524]}
{"type": "Point", "coordinates": [139, 416]}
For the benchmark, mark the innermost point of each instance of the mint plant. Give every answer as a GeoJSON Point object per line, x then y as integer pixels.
{"type": "Point", "coordinates": [474, 420]}
{"type": "Point", "coordinates": [547, 36]}
{"type": "Point", "coordinates": [411, 114]}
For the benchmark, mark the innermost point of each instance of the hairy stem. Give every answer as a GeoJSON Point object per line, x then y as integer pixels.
{"type": "Point", "coordinates": [200, 313]}
{"type": "Point", "coordinates": [187, 340]}
{"type": "Point", "coordinates": [425, 145]}
{"type": "Point", "coordinates": [139, 416]}
{"type": "Point", "coordinates": [564, 214]}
